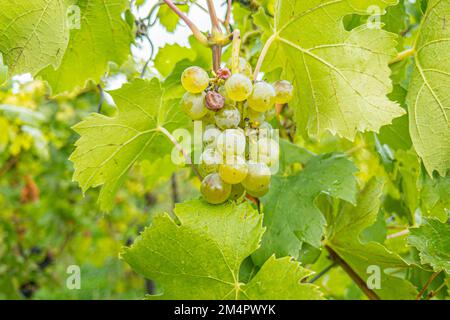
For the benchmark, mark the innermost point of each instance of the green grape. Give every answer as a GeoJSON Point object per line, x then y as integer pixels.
{"type": "Point", "coordinates": [210, 135]}
{"type": "Point", "coordinates": [194, 79]}
{"type": "Point", "coordinates": [231, 142]}
{"type": "Point", "coordinates": [264, 151]}
{"type": "Point", "coordinates": [227, 117]}
{"type": "Point", "coordinates": [258, 193]}
{"type": "Point", "coordinates": [210, 161]}
{"type": "Point", "coordinates": [284, 91]}
{"type": "Point", "coordinates": [208, 118]}
{"type": "Point", "coordinates": [265, 130]}
{"type": "Point", "coordinates": [194, 105]}
{"type": "Point", "coordinates": [244, 67]}
{"type": "Point", "coordinates": [262, 97]}
{"type": "Point", "coordinates": [223, 92]}
{"type": "Point", "coordinates": [237, 191]}
{"type": "Point", "coordinates": [238, 87]}
{"type": "Point", "coordinates": [214, 189]}
{"type": "Point", "coordinates": [234, 170]}
{"type": "Point", "coordinates": [258, 178]}
{"type": "Point", "coordinates": [268, 147]}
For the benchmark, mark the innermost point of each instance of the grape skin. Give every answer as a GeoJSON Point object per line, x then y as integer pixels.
{"type": "Point", "coordinates": [262, 97]}
{"type": "Point", "coordinates": [193, 104]}
{"type": "Point", "coordinates": [227, 117]}
{"type": "Point", "coordinates": [244, 67]}
{"type": "Point", "coordinates": [258, 178]}
{"type": "Point", "coordinates": [194, 79]}
{"type": "Point", "coordinates": [238, 87]}
{"type": "Point", "coordinates": [231, 142]}
{"type": "Point", "coordinates": [237, 191]}
{"type": "Point", "coordinates": [214, 189]}
{"type": "Point", "coordinates": [210, 161]}
{"type": "Point", "coordinates": [234, 170]}
{"type": "Point", "coordinates": [210, 135]}
{"type": "Point", "coordinates": [284, 91]}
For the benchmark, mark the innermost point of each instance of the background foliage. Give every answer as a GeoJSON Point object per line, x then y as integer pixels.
{"type": "Point", "coordinates": [364, 167]}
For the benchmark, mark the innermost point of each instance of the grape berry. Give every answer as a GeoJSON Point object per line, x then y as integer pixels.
{"type": "Point", "coordinates": [239, 147]}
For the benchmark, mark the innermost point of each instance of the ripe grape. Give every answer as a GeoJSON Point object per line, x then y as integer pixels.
{"type": "Point", "coordinates": [237, 191]}
{"type": "Point", "coordinates": [194, 79]}
{"type": "Point", "coordinates": [258, 193]}
{"type": "Point", "coordinates": [210, 161]}
{"type": "Point", "coordinates": [258, 178]}
{"type": "Point", "coordinates": [231, 142]}
{"type": "Point", "coordinates": [265, 130]}
{"type": "Point", "coordinates": [227, 117]}
{"type": "Point", "coordinates": [193, 104]}
{"type": "Point", "coordinates": [238, 87]}
{"type": "Point", "coordinates": [244, 67]}
{"type": "Point", "coordinates": [262, 97]}
{"type": "Point", "coordinates": [223, 93]}
{"type": "Point", "coordinates": [210, 135]}
{"type": "Point", "coordinates": [268, 147]}
{"type": "Point", "coordinates": [284, 91]}
{"type": "Point", "coordinates": [234, 170]}
{"type": "Point", "coordinates": [214, 189]}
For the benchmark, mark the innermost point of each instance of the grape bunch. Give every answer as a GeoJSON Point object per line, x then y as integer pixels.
{"type": "Point", "coordinates": [239, 146]}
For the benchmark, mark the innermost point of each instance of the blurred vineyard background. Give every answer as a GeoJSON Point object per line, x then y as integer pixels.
{"type": "Point", "coordinates": [45, 222]}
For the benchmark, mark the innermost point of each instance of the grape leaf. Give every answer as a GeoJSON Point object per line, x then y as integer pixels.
{"type": "Point", "coordinates": [343, 237]}
{"type": "Point", "coordinates": [103, 36]}
{"type": "Point", "coordinates": [168, 18]}
{"type": "Point", "coordinates": [396, 135]}
{"type": "Point", "coordinates": [428, 96]}
{"type": "Point", "coordinates": [432, 239]}
{"type": "Point", "coordinates": [435, 196]}
{"type": "Point", "coordinates": [109, 146]}
{"type": "Point", "coordinates": [341, 78]}
{"type": "Point", "coordinates": [33, 34]}
{"type": "Point", "coordinates": [201, 257]}
{"type": "Point", "coordinates": [290, 214]}
{"type": "Point", "coordinates": [170, 55]}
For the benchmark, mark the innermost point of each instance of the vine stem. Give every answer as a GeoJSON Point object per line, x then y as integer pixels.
{"type": "Point", "coordinates": [403, 55]}
{"type": "Point", "coordinates": [180, 148]}
{"type": "Point", "coordinates": [430, 280]}
{"type": "Point", "coordinates": [212, 13]}
{"type": "Point", "coordinates": [197, 33]}
{"type": "Point", "coordinates": [264, 51]}
{"type": "Point", "coordinates": [398, 234]}
{"type": "Point", "coordinates": [355, 277]}
{"type": "Point", "coordinates": [228, 15]}
{"type": "Point", "coordinates": [323, 272]}
{"type": "Point", "coordinates": [435, 292]}
{"type": "Point", "coordinates": [236, 47]}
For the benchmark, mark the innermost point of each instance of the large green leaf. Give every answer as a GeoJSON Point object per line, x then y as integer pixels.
{"type": "Point", "coordinates": [109, 146]}
{"type": "Point", "coordinates": [290, 214]}
{"type": "Point", "coordinates": [341, 78]}
{"type": "Point", "coordinates": [168, 18]}
{"type": "Point", "coordinates": [428, 97]}
{"type": "Point", "coordinates": [33, 34]}
{"type": "Point", "coordinates": [169, 55]}
{"type": "Point", "coordinates": [201, 257]}
{"type": "Point", "coordinates": [432, 239]}
{"type": "Point", "coordinates": [103, 37]}
{"type": "Point", "coordinates": [343, 237]}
